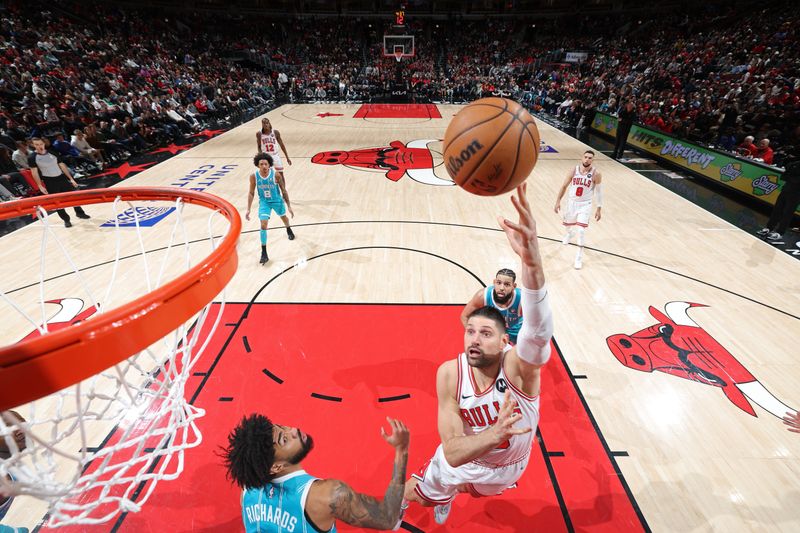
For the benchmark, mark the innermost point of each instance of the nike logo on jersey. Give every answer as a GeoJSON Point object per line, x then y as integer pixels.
{"type": "Point", "coordinates": [466, 397]}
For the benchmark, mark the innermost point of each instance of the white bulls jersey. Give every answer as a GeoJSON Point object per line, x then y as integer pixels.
{"type": "Point", "coordinates": [479, 410]}
{"type": "Point", "coordinates": [268, 142]}
{"type": "Point", "coordinates": [581, 187]}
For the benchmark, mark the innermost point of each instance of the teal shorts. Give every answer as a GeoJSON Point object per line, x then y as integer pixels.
{"type": "Point", "coordinates": [266, 208]}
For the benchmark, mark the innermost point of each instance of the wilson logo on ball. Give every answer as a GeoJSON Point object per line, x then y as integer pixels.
{"type": "Point", "coordinates": [505, 138]}
{"type": "Point", "coordinates": [454, 164]}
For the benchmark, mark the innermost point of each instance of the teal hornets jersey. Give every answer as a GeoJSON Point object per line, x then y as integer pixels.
{"type": "Point", "coordinates": [268, 190]}
{"type": "Point", "coordinates": [279, 506]}
{"type": "Point", "coordinates": [512, 314]}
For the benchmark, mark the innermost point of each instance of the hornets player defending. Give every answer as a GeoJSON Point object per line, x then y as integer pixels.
{"type": "Point", "coordinates": [489, 395]}
{"type": "Point", "coordinates": [272, 196]}
{"type": "Point", "coordinates": [502, 295]}
{"type": "Point", "coordinates": [268, 140]}
{"type": "Point", "coordinates": [278, 496]}
{"type": "Point", "coordinates": [584, 183]}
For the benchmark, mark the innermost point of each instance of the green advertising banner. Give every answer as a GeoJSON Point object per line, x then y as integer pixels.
{"type": "Point", "coordinates": [756, 180]}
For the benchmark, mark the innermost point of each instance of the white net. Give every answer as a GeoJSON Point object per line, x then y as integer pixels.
{"type": "Point", "coordinates": [96, 449]}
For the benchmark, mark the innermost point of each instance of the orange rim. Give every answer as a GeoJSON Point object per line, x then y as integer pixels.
{"type": "Point", "coordinates": [37, 367]}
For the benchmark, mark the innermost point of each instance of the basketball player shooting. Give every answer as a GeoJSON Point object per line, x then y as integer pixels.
{"type": "Point", "coordinates": [584, 183]}
{"type": "Point", "coordinates": [268, 140]}
{"type": "Point", "coordinates": [489, 395]}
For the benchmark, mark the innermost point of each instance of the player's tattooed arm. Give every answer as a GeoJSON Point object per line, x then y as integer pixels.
{"type": "Point", "coordinates": [362, 510]}
{"type": "Point", "coordinates": [365, 511]}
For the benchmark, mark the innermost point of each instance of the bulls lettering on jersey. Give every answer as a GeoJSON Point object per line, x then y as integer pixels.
{"type": "Point", "coordinates": [581, 186]}
{"type": "Point", "coordinates": [269, 144]}
{"type": "Point", "coordinates": [479, 411]}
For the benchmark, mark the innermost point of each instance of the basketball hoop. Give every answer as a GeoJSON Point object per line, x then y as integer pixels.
{"type": "Point", "coordinates": [398, 54]}
{"type": "Point", "coordinates": [120, 371]}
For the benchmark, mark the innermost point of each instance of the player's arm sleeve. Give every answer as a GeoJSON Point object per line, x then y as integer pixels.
{"type": "Point", "coordinates": [533, 341]}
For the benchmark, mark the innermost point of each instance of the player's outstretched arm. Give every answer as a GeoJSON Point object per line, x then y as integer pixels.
{"type": "Point", "coordinates": [459, 448]}
{"type": "Point", "coordinates": [524, 240]}
{"type": "Point", "coordinates": [362, 510]}
{"type": "Point", "coordinates": [474, 303]}
{"type": "Point", "coordinates": [533, 341]}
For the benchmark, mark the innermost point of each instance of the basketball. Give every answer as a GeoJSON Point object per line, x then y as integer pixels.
{"type": "Point", "coordinates": [491, 146]}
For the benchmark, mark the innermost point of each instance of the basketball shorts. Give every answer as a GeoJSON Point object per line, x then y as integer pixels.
{"type": "Point", "coordinates": [277, 162]}
{"type": "Point", "coordinates": [265, 209]}
{"type": "Point", "coordinates": [577, 214]}
{"type": "Point", "coordinates": [439, 482]}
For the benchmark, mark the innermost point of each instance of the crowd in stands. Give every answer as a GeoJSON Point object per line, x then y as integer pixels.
{"type": "Point", "coordinates": [726, 80]}
{"type": "Point", "coordinates": [101, 83]}
{"type": "Point", "coordinates": [716, 77]}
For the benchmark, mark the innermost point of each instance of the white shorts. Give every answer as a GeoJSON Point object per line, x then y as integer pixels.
{"type": "Point", "coordinates": [577, 214]}
{"type": "Point", "coordinates": [439, 482]}
{"type": "Point", "coordinates": [277, 162]}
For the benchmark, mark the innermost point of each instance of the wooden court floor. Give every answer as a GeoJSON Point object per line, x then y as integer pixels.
{"type": "Point", "coordinates": [687, 411]}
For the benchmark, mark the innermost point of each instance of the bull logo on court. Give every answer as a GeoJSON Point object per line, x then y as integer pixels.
{"type": "Point", "coordinates": [71, 313]}
{"type": "Point", "coordinates": [414, 159]}
{"type": "Point", "coordinates": [676, 345]}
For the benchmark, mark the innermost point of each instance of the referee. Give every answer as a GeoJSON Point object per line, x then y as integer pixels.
{"type": "Point", "coordinates": [52, 175]}
{"type": "Point", "coordinates": [625, 118]}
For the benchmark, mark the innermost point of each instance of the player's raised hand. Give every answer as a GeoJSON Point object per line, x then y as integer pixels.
{"type": "Point", "coordinates": [522, 235]}
{"type": "Point", "coordinates": [504, 427]}
{"type": "Point", "coordinates": [399, 436]}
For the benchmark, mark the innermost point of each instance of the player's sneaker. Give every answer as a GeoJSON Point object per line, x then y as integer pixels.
{"type": "Point", "coordinates": [565, 240]}
{"type": "Point", "coordinates": [578, 263]}
{"type": "Point", "coordinates": [403, 507]}
{"type": "Point", "coordinates": [290, 233]}
{"type": "Point", "coordinates": [441, 512]}
{"type": "Point", "coordinates": [763, 232]}
{"type": "Point", "coordinates": [774, 236]}
{"type": "Point", "coordinates": [264, 257]}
